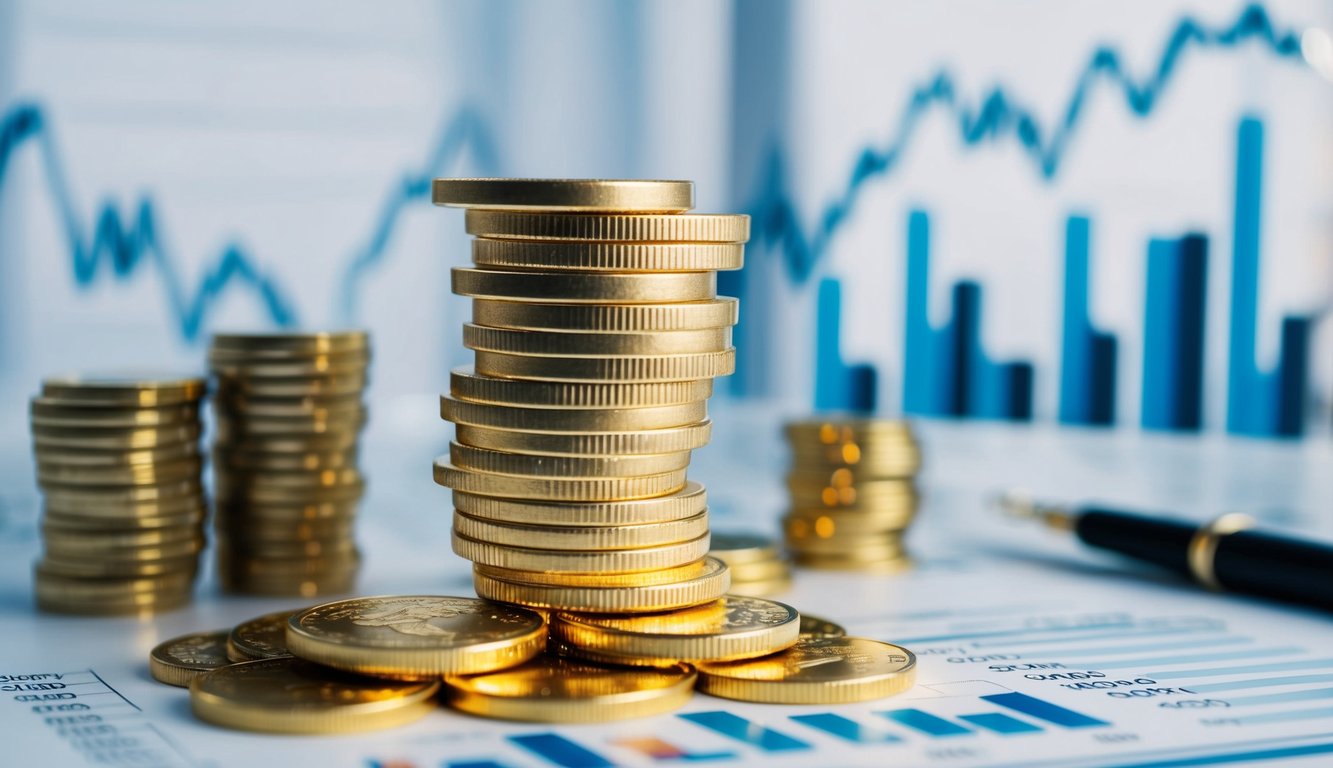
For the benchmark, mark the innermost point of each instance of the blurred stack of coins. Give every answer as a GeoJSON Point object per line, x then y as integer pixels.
{"type": "Point", "coordinates": [597, 333]}
{"type": "Point", "coordinates": [853, 493]}
{"type": "Point", "coordinates": [757, 565]}
{"type": "Point", "coordinates": [289, 415]}
{"type": "Point", "coordinates": [119, 466]}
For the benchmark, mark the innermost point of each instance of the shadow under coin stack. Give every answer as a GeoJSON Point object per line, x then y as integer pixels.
{"type": "Point", "coordinates": [289, 416]}
{"type": "Point", "coordinates": [853, 493]}
{"type": "Point", "coordinates": [119, 466]}
{"type": "Point", "coordinates": [597, 334]}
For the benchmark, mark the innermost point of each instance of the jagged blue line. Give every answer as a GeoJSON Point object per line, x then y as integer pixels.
{"type": "Point", "coordinates": [122, 243]}
{"type": "Point", "coordinates": [998, 117]}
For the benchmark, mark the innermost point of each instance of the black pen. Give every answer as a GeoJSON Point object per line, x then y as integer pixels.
{"type": "Point", "coordinates": [1225, 554]}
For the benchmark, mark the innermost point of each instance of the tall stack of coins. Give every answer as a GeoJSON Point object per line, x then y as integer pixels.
{"type": "Point", "coordinates": [853, 493]}
{"type": "Point", "coordinates": [597, 333]}
{"type": "Point", "coordinates": [289, 414]}
{"type": "Point", "coordinates": [119, 465]}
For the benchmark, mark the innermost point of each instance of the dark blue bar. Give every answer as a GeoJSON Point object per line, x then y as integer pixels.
{"type": "Point", "coordinates": [1044, 710]}
{"type": "Point", "coordinates": [838, 387]}
{"type": "Point", "coordinates": [1248, 394]}
{"type": "Point", "coordinates": [925, 722]}
{"type": "Point", "coordinates": [1292, 373]}
{"type": "Point", "coordinates": [560, 751]}
{"type": "Point", "coordinates": [1174, 334]}
{"type": "Point", "coordinates": [1087, 364]}
{"type": "Point", "coordinates": [1000, 723]}
{"type": "Point", "coordinates": [844, 728]}
{"type": "Point", "coordinates": [740, 729]}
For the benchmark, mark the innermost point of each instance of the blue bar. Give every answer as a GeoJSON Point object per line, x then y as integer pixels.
{"type": "Point", "coordinates": [740, 729]}
{"type": "Point", "coordinates": [1044, 710]}
{"type": "Point", "coordinates": [1000, 723]}
{"type": "Point", "coordinates": [475, 764]}
{"type": "Point", "coordinates": [560, 751]}
{"type": "Point", "coordinates": [1088, 356]}
{"type": "Point", "coordinates": [1174, 334]}
{"type": "Point", "coordinates": [928, 359]}
{"type": "Point", "coordinates": [843, 728]}
{"type": "Point", "coordinates": [1316, 694]}
{"type": "Point", "coordinates": [925, 722]}
{"type": "Point", "coordinates": [1266, 682]}
{"type": "Point", "coordinates": [1282, 666]}
{"type": "Point", "coordinates": [838, 387]}
{"type": "Point", "coordinates": [1292, 374]}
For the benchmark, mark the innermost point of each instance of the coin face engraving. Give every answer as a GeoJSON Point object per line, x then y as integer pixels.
{"type": "Point", "coordinates": [415, 621]}
{"type": "Point", "coordinates": [199, 649]}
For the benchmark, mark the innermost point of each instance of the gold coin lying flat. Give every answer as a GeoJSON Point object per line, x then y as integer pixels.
{"type": "Point", "coordinates": [668, 440]}
{"type": "Point", "coordinates": [816, 670]}
{"type": "Point", "coordinates": [66, 475]}
{"type": "Point", "coordinates": [116, 438]}
{"type": "Point", "coordinates": [629, 370]}
{"type": "Point", "coordinates": [554, 690]}
{"type": "Point", "coordinates": [562, 343]}
{"type": "Point", "coordinates": [609, 228]}
{"type": "Point", "coordinates": [291, 344]}
{"type": "Point", "coordinates": [582, 538]}
{"type": "Point", "coordinates": [727, 629]}
{"type": "Point", "coordinates": [615, 560]}
{"type": "Point", "coordinates": [263, 637]}
{"type": "Point", "coordinates": [181, 659]}
{"type": "Point", "coordinates": [504, 463]}
{"type": "Point", "coordinates": [292, 696]}
{"type": "Point", "coordinates": [51, 412]}
{"type": "Point", "coordinates": [688, 502]}
{"type": "Point", "coordinates": [711, 584]}
{"type": "Point", "coordinates": [327, 384]}
{"type": "Point", "coordinates": [607, 257]}
{"type": "Point", "coordinates": [572, 419]}
{"type": "Point", "coordinates": [719, 312]}
{"type": "Point", "coordinates": [413, 637]}
{"type": "Point", "coordinates": [616, 195]}
{"type": "Point", "coordinates": [584, 288]}
{"type": "Point", "coordinates": [468, 386]}
{"type": "Point", "coordinates": [122, 391]}
{"type": "Point", "coordinates": [813, 626]}
{"type": "Point", "coordinates": [603, 579]}
{"type": "Point", "coordinates": [558, 488]}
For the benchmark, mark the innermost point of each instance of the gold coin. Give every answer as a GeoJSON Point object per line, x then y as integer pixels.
{"type": "Point", "coordinates": [288, 514]}
{"type": "Point", "coordinates": [323, 408]}
{"type": "Point", "coordinates": [292, 344]}
{"type": "Point", "coordinates": [181, 659]}
{"type": "Point", "coordinates": [572, 419]}
{"type": "Point", "coordinates": [73, 458]}
{"type": "Point", "coordinates": [227, 440]}
{"type": "Point", "coordinates": [193, 517]}
{"type": "Point", "coordinates": [262, 531]}
{"type": "Point", "coordinates": [554, 690]}
{"type": "Point", "coordinates": [240, 546]}
{"type": "Point", "coordinates": [709, 585]}
{"type": "Point", "coordinates": [813, 626]}
{"type": "Point", "coordinates": [636, 579]}
{"type": "Point", "coordinates": [830, 524]}
{"type": "Point", "coordinates": [868, 461]}
{"type": "Point", "coordinates": [730, 628]}
{"type": "Point", "coordinates": [263, 637]}
{"type": "Point", "coordinates": [308, 461]}
{"type": "Point", "coordinates": [837, 431]}
{"type": "Point", "coordinates": [291, 585]}
{"type": "Point", "coordinates": [338, 384]}
{"type": "Point", "coordinates": [125, 391]}
{"type": "Point", "coordinates": [629, 370]}
{"type": "Point", "coordinates": [817, 670]}
{"type": "Point", "coordinates": [293, 696]}
{"type": "Point", "coordinates": [116, 438]}
{"type": "Point", "coordinates": [616, 195]}
{"type": "Point", "coordinates": [51, 412]}
{"type": "Point", "coordinates": [878, 547]}
{"type": "Point", "coordinates": [633, 228]}
{"type": "Point", "coordinates": [412, 637]}
{"type": "Point", "coordinates": [468, 386]}
{"type": "Point", "coordinates": [719, 312]}
{"type": "Point", "coordinates": [871, 494]}
{"type": "Point", "coordinates": [582, 538]}
{"type": "Point", "coordinates": [576, 343]}
{"type": "Point", "coordinates": [230, 367]}
{"type": "Point", "coordinates": [77, 539]}
{"type": "Point", "coordinates": [685, 503]}
{"type": "Point", "coordinates": [296, 480]}
{"type": "Point", "coordinates": [584, 288]}
{"type": "Point", "coordinates": [134, 475]}
{"type": "Point", "coordinates": [617, 560]}
{"type": "Point", "coordinates": [57, 592]}
{"type": "Point", "coordinates": [803, 477]}
{"type": "Point", "coordinates": [277, 495]}
{"type": "Point", "coordinates": [737, 548]}
{"type": "Point", "coordinates": [558, 488]}
{"type": "Point", "coordinates": [607, 257]}
{"type": "Point", "coordinates": [243, 426]}
{"type": "Point", "coordinates": [286, 569]}
{"type": "Point", "coordinates": [83, 567]}
{"type": "Point", "coordinates": [648, 441]}
{"type": "Point", "coordinates": [144, 604]}
{"type": "Point", "coordinates": [501, 462]}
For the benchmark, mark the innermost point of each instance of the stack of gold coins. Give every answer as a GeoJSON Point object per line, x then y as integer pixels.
{"type": "Point", "coordinates": [756, 563]}
{"type": "Point", "coordinates": [853, 493]}
{"type": "Point", "coordinates": [597, 333]}
{"type": "Point", "coordinates": [119, 465]}
{"type": "Point", "coordinates": [289, 415]}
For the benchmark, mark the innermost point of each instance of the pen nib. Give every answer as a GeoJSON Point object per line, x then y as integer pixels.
{"type": "Point", "coordinates": [1020, 505]}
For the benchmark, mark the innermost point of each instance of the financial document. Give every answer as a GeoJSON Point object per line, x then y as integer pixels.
{"type": "Point", "coordinates": [1031, 650]}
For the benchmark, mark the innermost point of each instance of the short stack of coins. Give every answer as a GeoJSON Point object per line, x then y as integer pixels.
{"type": "Point", "coordinates": [119, 466]}
{"type": "Point", "coordinates": [757, 565]}
{"type": "Point", "coordinates": [289, 416]}
{"type": "Point", "coordinates": [853, 493]}
{"type": "Point", "coordinates": [597, 333]}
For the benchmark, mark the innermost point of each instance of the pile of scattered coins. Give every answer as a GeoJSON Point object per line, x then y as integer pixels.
{"type": "Point", "coordinates": [119, 466]}
{"type": "Point", "coordinates": [289, 415]}
{"type": "Point", "coordinates": [378, 662]}
{"type": "Point", "coordinates": [853, 493]}
{"type": "Point", "coordinates": [597, 333]}
{"type": "Point", "coordinates": [757, 565]}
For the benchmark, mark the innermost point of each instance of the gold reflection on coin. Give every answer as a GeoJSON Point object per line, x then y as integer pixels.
{"type": "Point", "coordinates": [817, 670]}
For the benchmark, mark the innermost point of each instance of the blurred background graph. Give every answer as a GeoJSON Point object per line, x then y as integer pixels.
{"type": "Point", "coordinates": [1103, 215]}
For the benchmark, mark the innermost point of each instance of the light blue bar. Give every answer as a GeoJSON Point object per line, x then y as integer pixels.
{"type": "Point", "coordinates": [740, 729]}
{"type": "Point", "coordinates": [1189, 659]}
{"type": "Point", "coordinates": [1264, 682]}
{"type": "Point", "coordinates": [1316, 694]}
{"type": "Point", "coordinates": [844, 728]}
{"type": "Point", "coordinates": [1000, 723]}
{"type": "Point", "coordinates": [1044, 710]}
{"type": "Point", "coordinates": [925, 722]}
{"type": "Point", "coordinates": [1115, 650]}
{"type": "Point", "coordinates": [1284, 717]}
{"type": "Point", "coordinates": [1281, 666]}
